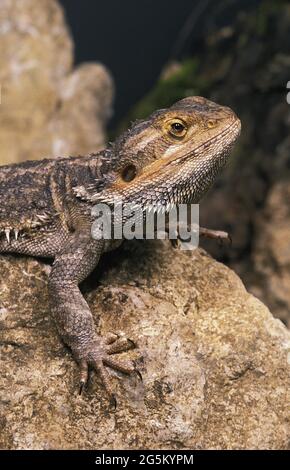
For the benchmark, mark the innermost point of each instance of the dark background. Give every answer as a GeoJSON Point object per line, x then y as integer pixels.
{"type": "Point", "coordinates": [132, 38]}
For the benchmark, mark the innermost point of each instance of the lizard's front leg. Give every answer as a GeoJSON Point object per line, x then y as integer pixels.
{"type": "Point", "coordinates": [203, 232]}
{"type": "Point", "coordinates": [72, 314]}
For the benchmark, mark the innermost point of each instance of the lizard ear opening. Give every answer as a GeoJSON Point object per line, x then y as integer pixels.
{"type": "Point", "coordinates": [129, 173]}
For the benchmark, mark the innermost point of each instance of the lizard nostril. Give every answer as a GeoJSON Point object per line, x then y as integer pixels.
{"type": "Point", "coordinates": [129, 173]}
{"type": "Point", "coordinates": [211, 123]}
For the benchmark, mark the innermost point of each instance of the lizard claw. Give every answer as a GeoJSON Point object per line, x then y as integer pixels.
{"type": "Point", "coordinates": [138, 373]}
{"type": "Point", "coordinates": [133, 344]}
{"type": "Point", "coordinates": [175, 243]}
{"type": "Point", "coordinates": [84, 375]}
{"type": "Point", "coordinates": [81, 388]}
{"type": "Point", "coordinates": [113, 401]}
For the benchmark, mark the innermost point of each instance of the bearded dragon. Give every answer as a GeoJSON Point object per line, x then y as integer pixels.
{"type": "Point", "coordinates": [172, 157]}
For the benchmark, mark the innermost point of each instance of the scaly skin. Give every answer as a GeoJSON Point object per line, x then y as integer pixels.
{"type": "Point", "coordinates": [172, 157]}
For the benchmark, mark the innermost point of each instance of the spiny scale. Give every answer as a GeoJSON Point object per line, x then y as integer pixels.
{"type": "Point", "coordinates": [10, 234]}
{"type": "Point", "coordinates": [40, 222]}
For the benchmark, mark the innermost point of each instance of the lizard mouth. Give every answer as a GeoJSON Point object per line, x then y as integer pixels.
{"type": "Point", "coordinates": [228, 135]}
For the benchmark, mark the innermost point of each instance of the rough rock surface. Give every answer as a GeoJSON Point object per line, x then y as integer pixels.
{"type": "Point", "coordinates": [48, 108]}
{"type": "Point", "coordinates": [272, 251]}
{"type": "Point", "coordinates": [214, 360]}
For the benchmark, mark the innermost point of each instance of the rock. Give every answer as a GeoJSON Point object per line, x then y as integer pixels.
{"type": "Point", "coordinates": [48, 108]}
{"type": "Point", "coordinates": [272, 252]}
{"type": "Point", "coordinates": [215, 363]}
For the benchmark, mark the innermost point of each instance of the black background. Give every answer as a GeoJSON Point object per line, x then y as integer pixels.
{"type": "Point", "coordinates": [132, 38]}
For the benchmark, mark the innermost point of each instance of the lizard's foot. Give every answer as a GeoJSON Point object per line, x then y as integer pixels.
{"type": "Point", "coordinates": [99, 355]}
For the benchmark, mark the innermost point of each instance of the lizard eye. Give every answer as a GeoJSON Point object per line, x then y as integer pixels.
{"type": "Point", "coordinates": [128, 173]}
{"type": "Point", "coordinates": [177, 128]}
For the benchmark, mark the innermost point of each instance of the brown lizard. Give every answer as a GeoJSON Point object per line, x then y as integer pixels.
{"type": "Point", "coordinates": [46, 208]}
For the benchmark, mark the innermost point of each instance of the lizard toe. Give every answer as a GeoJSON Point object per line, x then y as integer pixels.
{"type": "Point", "coordinates": [127, 367]}
{"type": "Point", "coordinates": [84, 375]}
{"type": "Point", "coordinates": [120, 345]}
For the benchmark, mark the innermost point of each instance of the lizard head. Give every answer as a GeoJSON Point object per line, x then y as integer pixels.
{"type": "Point", "coordinates": [173, 156]}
